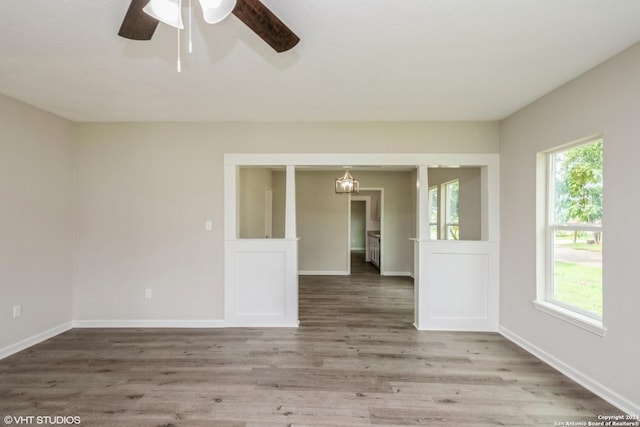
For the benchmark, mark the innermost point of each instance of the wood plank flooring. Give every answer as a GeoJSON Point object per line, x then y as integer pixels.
{"type": "Point", "coordinates": [355, 360]}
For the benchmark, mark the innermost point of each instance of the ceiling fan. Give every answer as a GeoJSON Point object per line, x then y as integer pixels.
{"type": "Point", "coordinates": [143, 16]}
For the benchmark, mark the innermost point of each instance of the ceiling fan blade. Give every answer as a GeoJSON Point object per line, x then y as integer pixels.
{"type": "Point", "coordinates": [136, 24]}
{"type": "Point", "coordinates": [265, 24]}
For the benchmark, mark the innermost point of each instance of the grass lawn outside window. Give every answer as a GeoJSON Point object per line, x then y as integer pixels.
{"type": "Point", "coordinates": [578, 272]}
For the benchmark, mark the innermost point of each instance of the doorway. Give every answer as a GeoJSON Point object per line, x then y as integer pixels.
{"type": "Point", "coordinates": [358, 225]}
{"type": "Point", "coordinates": [365, 227]}
{"type": "Point", "coordinates": [358, 255]}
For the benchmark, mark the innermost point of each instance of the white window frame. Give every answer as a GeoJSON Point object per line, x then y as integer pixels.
{"type": "Point", "coordinates": [545, 300]}
{"type": "Point", "coordinates": [444, 211]}
{"type": "Point", "coordinates": [434, 221]}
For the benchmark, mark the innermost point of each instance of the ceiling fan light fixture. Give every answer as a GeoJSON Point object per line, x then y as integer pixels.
{"type": "Point", "coordinates": [215, 11]}
{"type": "Point", "coordinates": [167, 11]}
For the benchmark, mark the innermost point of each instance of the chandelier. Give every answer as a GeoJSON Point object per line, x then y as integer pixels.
{"type": "Point", "coordinates": [347, 184]}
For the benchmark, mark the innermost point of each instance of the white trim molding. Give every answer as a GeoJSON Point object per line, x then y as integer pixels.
{"type": "Point", "coordinates": [323, 273]}
{"type": "Point", "coordinates": [587, 323]}
{"type": "Point", "coordinates": [36, 339]}
{"type": "Point", "coordinates": [585, 381]}
{"type": "Point", "coordinates": [150, 323]}
{"type": "Point", "coordinates": [397, 273]}
{"type": "Point", "coordinates": [279, 296]}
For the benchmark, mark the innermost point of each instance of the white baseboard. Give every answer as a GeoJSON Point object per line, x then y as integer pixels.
{"type": "Point", "coordinates": [396, 273]}
{"type": "Point", "coordinates": [249, 324]}
{"type": "Point", "coordinates": [346, 273]}
{"type": "Point", "coordinates": [149, 324]}
{"type": "Point", "coordinates": [36, 339]}
{"type": "Point", "coordinates": [322, 273]}
{"type": "Point", "coordinates": [590, 384]}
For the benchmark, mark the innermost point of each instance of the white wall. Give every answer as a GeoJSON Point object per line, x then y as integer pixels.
{"type": "Point", "coordinates": [604, 100]}
{"type": "Point", "coordinates": [36, 221]}
{"type": "Point", "coordinates": [144, 191]}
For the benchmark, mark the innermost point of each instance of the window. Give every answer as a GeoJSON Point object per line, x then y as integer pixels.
{"type": "Point", "coordinates": [434, 219]}
{"type": "Point", "coordinates": [573, 237]}
{"type": "Point", "coordinates": [451, 226]}
{"type": "Point", "coordinates": [444, 204]}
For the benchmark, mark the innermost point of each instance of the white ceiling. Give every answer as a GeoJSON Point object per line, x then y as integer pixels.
{"type": "Point", "coordinates": [358, 60]}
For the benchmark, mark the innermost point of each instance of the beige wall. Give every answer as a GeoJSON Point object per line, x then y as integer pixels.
{"type": "Point", "coordinates": [142, 196]}
{"type": "Point", "coordinates": [279, 203]}
{"type": "Point", "coordinates": [375, 203]}
{"type": "Point", "coordinates": [36, 220]}
{"type": "Point", "coordinates": [144, 191]}
{"type": "Point", "coordinates": [604, 100]}
{"type": "Point", "coordinates": [323, 223]}
{"type": "Point", "coordinates": [398, 217]}
{"type": "Point", "coordinates": [253, 183]}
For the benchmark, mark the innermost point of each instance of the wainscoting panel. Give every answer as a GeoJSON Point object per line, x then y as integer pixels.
{"type": "Point", "coordinates": [465, 293]}
{"type": "Point", "coordinates": [458, 285]}
{"type": "Point", "coordinates": [261, 284]}
{"type": "Point", "coordinates": [260, 280]}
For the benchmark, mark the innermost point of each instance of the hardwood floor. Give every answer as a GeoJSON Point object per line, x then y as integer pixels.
{"type": "Point", "coordinates": [355, 360]}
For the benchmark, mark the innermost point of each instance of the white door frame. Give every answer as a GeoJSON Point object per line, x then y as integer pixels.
{"type": "Point", "coordinates": [367, 200]}
{"type": "Point", "coordinates": [438, 304]}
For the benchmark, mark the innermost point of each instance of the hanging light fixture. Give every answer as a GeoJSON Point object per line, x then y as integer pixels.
{"type": "Point", "coordinates": [167, 11]}
{"type": "Point", "coordinates": [170, 12]}
{"type": "Point", "coordinates": [347, 184]}
{"type": "Point", "coordinates": [215, 11]}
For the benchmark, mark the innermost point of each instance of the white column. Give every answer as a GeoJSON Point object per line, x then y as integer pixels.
{"type": "Point", "coordinates": [290, 231]}
{"type": "Point", "coordinates": [422, 222]}
{"type": "Point", "coordinates": [230, 202]}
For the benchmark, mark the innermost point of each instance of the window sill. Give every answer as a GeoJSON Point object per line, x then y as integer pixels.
{"type": "Point", "coordinates": [592, 325]}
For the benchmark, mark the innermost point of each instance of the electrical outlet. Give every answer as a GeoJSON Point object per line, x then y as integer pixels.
{"type": "Point", "coordinates": [147, 293]}
{"type": "Point", "coordinates": [17, 310]}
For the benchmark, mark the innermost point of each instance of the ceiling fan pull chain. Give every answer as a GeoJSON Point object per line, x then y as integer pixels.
{"type": "Point", "coordinates": [190, 27]}
{"type": "Point", "coordinates": [178, 63]}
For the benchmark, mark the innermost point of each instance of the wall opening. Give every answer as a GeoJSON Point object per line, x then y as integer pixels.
{"type": "Point", "coordinates": [261, 202]}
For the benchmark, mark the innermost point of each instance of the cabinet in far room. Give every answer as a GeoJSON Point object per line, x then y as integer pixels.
{"type": "Point", "coordinates": [373, 239]}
